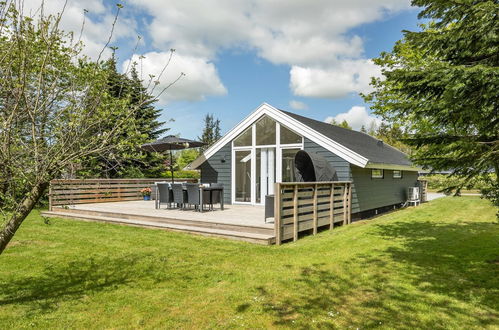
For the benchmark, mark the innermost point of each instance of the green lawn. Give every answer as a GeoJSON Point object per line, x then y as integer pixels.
{"type": "Point", "coordinates": [434, 266]}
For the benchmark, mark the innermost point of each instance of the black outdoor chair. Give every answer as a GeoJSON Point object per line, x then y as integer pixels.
{"type": "Point", "coordinates": [193, 195]}
{"type": "Point", "coordinates": [179, 195]}
{"type": "Point", "coordinates": [215, 196]}
{"type": "Point", "coordinates": [165, 194]}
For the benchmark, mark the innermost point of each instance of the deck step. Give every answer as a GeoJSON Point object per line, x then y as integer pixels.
{"type": "Point", "coordinates": [258, 238]}
{"type": "Point", "coordinates": [170, 220]}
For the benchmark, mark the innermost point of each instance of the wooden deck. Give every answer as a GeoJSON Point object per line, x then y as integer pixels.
{"type": "Point", "coordinates": [238, 222]}
{"type": "Point", "coordinates": [300, 208]}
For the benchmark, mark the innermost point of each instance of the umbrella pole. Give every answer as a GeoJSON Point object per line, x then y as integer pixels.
{"type": "Point", "coordinates": [171, 164]}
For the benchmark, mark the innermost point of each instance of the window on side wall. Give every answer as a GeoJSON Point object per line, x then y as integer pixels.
{"type": "Point", "coordinates": [377, 173]}
{"type": "Point", "coordinates": [397, 174]}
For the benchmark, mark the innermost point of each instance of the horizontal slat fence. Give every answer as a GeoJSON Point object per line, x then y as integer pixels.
{"type": "Point", "coordinates": [76, 191]}
{"type": "Point", "coordinates": [302, 206]}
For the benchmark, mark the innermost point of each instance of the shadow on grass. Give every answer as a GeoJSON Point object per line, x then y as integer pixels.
{"type": "Point", "coordinates": [77, 279]}
{"type": "Point", "coordinates": [441, 274]}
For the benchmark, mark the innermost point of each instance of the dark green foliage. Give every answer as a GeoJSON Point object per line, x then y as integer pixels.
{"type": "Point", "coordinates": [181, 174]}
{"type": "Point", "coordinates": [441, 85]}
{"type": "Point", "coordinates": [126, 160]}
{"type": "Point", "coordinates": [211, 131]}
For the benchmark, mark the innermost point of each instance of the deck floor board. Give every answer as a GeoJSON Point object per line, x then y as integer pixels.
{"type": "Point", "coordinates": [241, 222]}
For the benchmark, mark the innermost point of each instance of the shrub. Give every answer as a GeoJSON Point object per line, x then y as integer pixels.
{"type": "Point", "coordinates": [442, 181]}
{"type": "Point", "coordinates": [182, 174]}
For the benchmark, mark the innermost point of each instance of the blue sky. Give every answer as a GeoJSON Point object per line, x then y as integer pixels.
{"type": "Point", "coordinates": [309, 57]}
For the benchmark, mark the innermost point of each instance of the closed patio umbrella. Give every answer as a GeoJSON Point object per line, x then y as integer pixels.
{"type": "Point", "coordinates": [170, 143]}
{"type": "Point", "coordinates": [311, 167]}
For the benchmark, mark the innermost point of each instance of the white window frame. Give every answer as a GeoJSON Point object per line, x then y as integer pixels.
{"type": "Point", "coordinates": [397, 177]}
{"type": "Point", "coordinates": [377, 177]}
{"type": "Point", "coordinates": [278, 161]}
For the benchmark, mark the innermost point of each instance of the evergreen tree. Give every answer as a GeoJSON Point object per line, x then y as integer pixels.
{"type": "Point", "coordinates": [211, 131]}
{"type": "Point", "coordinates": [441, 84]}
{"type": "Point", "coordinates": [126, 160]}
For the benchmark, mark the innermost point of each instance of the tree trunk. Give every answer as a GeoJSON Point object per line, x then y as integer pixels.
{"type": "Point", "coordinates": [21, 213]}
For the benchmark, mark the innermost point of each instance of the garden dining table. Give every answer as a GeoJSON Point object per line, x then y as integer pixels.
{"type": "Point", "coordinates": [211, 190]}
{"type": "Point", "coordinates": [202, 188]}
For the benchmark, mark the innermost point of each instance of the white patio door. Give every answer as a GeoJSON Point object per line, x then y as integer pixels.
{"type": "Point", "coordinates": [265, 173]}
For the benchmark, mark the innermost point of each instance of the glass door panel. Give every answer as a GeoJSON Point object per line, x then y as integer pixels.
{"type": "Point", "coordinates": [243, 176]}
{"type": "Point", "coordinates": [288, 164]}
{"type": "Point", "coordinates": [265, 173]}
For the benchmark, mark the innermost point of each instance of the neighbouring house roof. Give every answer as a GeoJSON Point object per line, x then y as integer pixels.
{"type": "Point", "coordinates": [355, 147]}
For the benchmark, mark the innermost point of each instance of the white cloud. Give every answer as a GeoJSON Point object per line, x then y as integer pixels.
{"type": "Point", "coordinates": [294, 32]}
{"type": "Point", "coordinates": [297, 105]}
{"type": "Point", "coordinates": [200, 80]}
{"type": "Point", "coordinates": [97, 26]}
{"type": "Point", "coordinates": [310, 36]}
{"type": "Point", "coordinates": [333, 82]}
{"type": "Point", "coordinates": [356, 117]}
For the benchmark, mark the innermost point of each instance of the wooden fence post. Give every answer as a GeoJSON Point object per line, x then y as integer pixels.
{"type": "Point", "coordinates": [50, 196]}
{"type": "Point", "coordinates": [331, 208]}
{"type": "Point", "coordinates": [349, 203]}
{"type": "Point", "coordinates": [315, 210]}
{"type": "Point", "coordinates": [295, 213]}
{"type": "Point", "coordinates": [345, 192]}
{"type": "Point", "coordinates": [277, 214]}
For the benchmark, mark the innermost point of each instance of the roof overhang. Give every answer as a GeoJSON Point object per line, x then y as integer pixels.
{"type": "Point", "coordinates": [384, 166]}
{"type": "Point", "coordinates": [295, 125]}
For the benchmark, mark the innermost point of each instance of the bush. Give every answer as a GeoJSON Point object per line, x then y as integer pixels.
{"type": "Point", "coordinates": [442, 181]}
{"type": "Point", "coordinates": [182, 174]}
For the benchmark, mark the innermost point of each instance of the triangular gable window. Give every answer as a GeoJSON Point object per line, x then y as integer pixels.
{"type": "Point", "coordinates": [288, 136]}
{"type": "Point", "coordinates": [244, 139]}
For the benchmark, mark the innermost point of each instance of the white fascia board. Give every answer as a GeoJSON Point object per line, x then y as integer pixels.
{"type": "Point", "coordinates": [322, 140]}
{"type": "Point", "coordinates": [295, 125]}
{"type": "Point", "coordinates": [232, 134]}
{"type": "Point", "coordinates": [383, 166]}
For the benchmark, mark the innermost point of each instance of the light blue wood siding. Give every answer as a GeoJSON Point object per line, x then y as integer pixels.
{"type": "Point", "coordinates": [374, 193]}
{"type": "Point", "coordinates": [217, 169]}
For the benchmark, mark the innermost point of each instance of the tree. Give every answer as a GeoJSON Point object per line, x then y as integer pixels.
{"type": "Point", "coordinates": [55, 110]}
{"type": "Point", "coordinates": [185, 157]}
{"type": "Point", "coordinates": [441, 84]}
{"type": "Point", "coordinates": [343, 124]}
{"type": "Point", "coordinates": [372, 128]}
{"type": "Point", "coordinates": [394, 135]}
{"type": "Point", "coordinates": [211, 131]}
{"type": "Point", "coordinates": [126, 160]}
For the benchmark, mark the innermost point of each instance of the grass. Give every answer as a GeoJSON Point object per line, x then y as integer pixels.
{"type": "Point", "coordinates": [434, 266]}
{"type": "Point", "coordinates": [463, 191]}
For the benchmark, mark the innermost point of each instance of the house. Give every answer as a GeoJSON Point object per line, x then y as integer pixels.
{"type": "Point", "coordinates": [260, 151]}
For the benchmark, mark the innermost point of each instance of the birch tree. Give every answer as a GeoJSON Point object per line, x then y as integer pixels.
{"type": "Point", "coordinates": [55, 110]}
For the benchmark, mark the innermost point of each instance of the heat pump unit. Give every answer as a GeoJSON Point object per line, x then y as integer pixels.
{"type": "Point", "coordinates": [413, 194]}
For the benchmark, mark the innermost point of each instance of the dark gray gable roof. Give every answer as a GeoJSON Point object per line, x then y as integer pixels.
{"type": "Point", "coordinates": [361, 143]}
